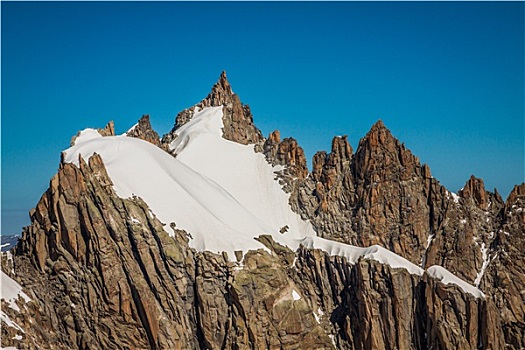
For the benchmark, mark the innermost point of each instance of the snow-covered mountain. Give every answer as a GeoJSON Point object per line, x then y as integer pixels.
{"type": "Point", "coordinates": [222, 193]}
{"type": "Point", "coordinates": [209, 237]}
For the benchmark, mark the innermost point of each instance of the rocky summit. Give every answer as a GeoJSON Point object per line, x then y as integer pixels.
{"type": "Point", "coordinates": [215, 237]}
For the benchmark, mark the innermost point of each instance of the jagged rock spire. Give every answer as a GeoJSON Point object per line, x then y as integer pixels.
{"type": "Point", "coordinates": [517, 192]}
{"type": "Point", "coordinates": [379, 153]}
{"type": "Point", "coordinates": [144, 131]}
{"type": "Point", "coordinates": [237, 118]}
{"type": "Point", "coordinates": [475, 190]}
{"type": "Point", "coordinates": [221, 93]}
{"type": "Point", "coordinates": [287, 153]}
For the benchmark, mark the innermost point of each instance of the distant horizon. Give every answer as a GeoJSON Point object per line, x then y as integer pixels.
{"type": "Point", "coordinates": [447, 79]}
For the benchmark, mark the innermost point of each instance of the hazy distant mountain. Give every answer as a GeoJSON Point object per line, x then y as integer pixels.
{"type": "Point", "coordinates": [8, 241]}
{"type": "Point", "coordinates": [214, 236]}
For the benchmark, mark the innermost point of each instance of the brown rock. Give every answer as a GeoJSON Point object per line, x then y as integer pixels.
{"type": "Point", "coordinates": [287, 153]}
{"type": "Point", "coordinates": [237, 118]}
{"type": "Point", "coordinates": [475, 189]}
{"type": "Point", "coordinates": [144, 131]}
{"type": "Point", "coordinates": [108, 130]}
{"type": "Point", "coordinates": [504, 278]}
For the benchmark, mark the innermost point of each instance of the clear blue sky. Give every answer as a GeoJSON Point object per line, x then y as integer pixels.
{"type": "Point", "coordinates": [447, 78]}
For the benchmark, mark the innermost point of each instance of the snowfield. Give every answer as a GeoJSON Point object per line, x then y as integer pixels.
{"type": "Point", "coordinates": [11, 291]}
{"type": "Point", "coordinates": [221, 192]}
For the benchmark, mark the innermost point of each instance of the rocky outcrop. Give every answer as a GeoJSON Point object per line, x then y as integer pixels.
{"type": "Point", "coordinates": [108, 130]}
{"type": "Point", "coordinates": [465, 230]}
{"type": "Point", "coordinates": [98, 268]}
{"type": "Point", "coordinates": [144, 131]}
{"type": "Point", "coordinates": [376, 196]}
{"type": "Point", "coordinates": [237, 118]}
{"type": "Point", "coordinates": [373, 306]}
{"type": "Point", "coordinates": [474, 190]}
{"type": "Point", "coordinates": [504, 277]}
{"type": "Point", "coordinates": [286, 153]}
{"type": "Point", "coordinates": [383, 195]}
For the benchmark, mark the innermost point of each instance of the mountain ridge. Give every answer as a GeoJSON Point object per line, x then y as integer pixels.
{"type": "Point", "coordinates": [108, 253]}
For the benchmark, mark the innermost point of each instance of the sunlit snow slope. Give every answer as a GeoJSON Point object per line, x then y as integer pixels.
{"type": "Point", "coordinates": [221, 192]}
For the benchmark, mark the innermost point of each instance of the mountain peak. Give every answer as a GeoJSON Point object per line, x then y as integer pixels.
{"type": "Point", "coordinates": [517, 192]}
{"type": "Point", "coordinates": [237, 118]}
{"type": "Point", "coordinates": [221, 93]}
{"type": "Point", "coordinates": [380, 153]}
{"type": "Point", "coordinates": [223, 78]}
{"type": "Point", "coordinates": [378, 125]}
{"type": "Point", "coordinates": [379, 136]}
{"type": "Point", "coordinates": [475, 189]}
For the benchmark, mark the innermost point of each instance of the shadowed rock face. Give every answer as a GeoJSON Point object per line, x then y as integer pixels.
{"type": "Point", "coordinates": [504, 278]}
{"type": "Point", "coordinates": [103, 273]}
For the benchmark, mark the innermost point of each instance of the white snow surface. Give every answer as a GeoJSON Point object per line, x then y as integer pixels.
{"type": "Point", "coordinates": [486, 261]}
{"type": "Point", "coordinates": [455, 196]}
{"type": "Point", "coordinates": [9, 322]}
{"type": "Point", "coordinates": [87, 135]}
{"type": "Point", "coordinates": [131, 129]}
{"type": "Point", "coordinates": [352, 253]}
{"type": "Point", "coordinates": [222, 193]}
{"type": "Point", "coordinates": [11, 291]}
{"type": "Point", "coordinates": [448, 277]}
{"type": "Point", "coordinates": [318, 315]}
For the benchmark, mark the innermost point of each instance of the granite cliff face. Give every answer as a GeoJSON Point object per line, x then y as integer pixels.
{"type": "Point", "coordinates": [383, 195]}
{"type": "Point", "coordinates": [103, 272]}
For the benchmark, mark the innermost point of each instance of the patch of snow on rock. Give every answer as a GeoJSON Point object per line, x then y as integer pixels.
{"type": "Point", "coordinates": [11, 291]}
{"type": "Point", "coordinates": [455, 197]}
{"type": "Point", "coordinates": [353, 254]}
{"type": "Point", "coordinates": [9, 323]}
{"type": "Point", "coordinates": [131, 129]}
{"type": "Point", "coordinates": [486, 261]}
{"type": "Point", "coordinates": [446, 277]}
{"type": "Point", "coordinates": [332, 338]}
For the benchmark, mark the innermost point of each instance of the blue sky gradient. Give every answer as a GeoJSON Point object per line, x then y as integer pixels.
{"type": "Point", "coordinates": [447, 78]}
